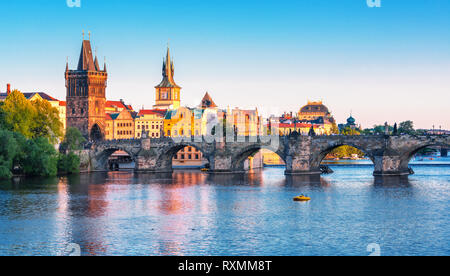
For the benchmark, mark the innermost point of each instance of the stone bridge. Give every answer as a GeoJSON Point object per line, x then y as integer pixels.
{"type": "Point", "coordinates": [302, 154]}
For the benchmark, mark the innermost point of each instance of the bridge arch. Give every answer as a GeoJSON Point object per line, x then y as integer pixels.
{"type": "Point", "coordinates": [409, 154]}
{"type": "Point", "coordinates": [318, 158]}
{"type": "Point", "coordinates": [103, 155]}
{"type": "Point", "coordinates": [238, 160]}
{"type": "Point", "coordinates": [164, 162]}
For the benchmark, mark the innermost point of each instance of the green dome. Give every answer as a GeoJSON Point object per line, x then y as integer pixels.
{"type": "Point", "coordinates": [351, 121]}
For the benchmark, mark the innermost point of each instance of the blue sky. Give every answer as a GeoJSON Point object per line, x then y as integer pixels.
{"type": "Point", "coordinates": [384, 64]}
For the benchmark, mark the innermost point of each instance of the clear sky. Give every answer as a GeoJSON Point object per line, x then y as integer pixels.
{"type": "Point", "coordinates": [384, 64]}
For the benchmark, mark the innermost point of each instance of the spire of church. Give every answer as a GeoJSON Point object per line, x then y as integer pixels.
{"type": "Point", "coordinates": [97, 67]}
{"type": "Point", "coordinates": [168, 72]}
{"type": "Point", "coordinates": [86, 61]}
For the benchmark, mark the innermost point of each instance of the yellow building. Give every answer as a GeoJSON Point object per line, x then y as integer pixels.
{"type": "Point", "coordinates": [179, 122]}
{"type": "Point", "coordinates": [168, 92]}
{"type": "Point", "coordinates": [189, 157]}
{"type": "Point", "coordinates": [150, 121]}
{"type": "Point", "coordinates": [119, 126]}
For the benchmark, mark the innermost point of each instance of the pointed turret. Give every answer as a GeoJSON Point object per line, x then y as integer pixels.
{"type": "Point", "coordinates": [168, 72]}
{"type": "Point", "coordinates": [97, 67]}
{"type": "Point", "coordinates": [207, 102]}
{"type": "Point", "coordinates": [86, 61]}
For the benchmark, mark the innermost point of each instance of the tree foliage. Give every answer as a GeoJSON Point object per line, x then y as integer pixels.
{"type": "Point", "coordinates": [69, 164]}
{"type": "Point", "coordinates": [46, 121]}
{"type": "Point", "coordinates": [31, 119]}
{"type": "Point", "coordinates": [28, 132]}
{"type": "Point", "coordinates": [19, 114]}
{"type": "Point", "coordinates": [41, 158]}
{"type": "Point", "coordinates": [406, 127]}
{"type": "Point", "coordinates": [73, 140]}
{"type": "Point", "coordinates": [8, 152]}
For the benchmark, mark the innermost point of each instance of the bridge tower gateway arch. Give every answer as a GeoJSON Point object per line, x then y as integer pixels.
{"type": "Point", "coordinates": [302, 154]}
{"type": "Point", "coordinates": [86, 88]}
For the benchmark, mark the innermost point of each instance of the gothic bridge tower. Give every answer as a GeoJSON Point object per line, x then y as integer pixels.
{"type": "Point", "coordinates": [85, 97]}
{"type": "Point", "coordinates": [167, 92]}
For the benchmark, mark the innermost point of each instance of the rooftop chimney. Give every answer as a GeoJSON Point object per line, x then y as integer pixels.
{"type": "Point", "coordinates": [8, 89]}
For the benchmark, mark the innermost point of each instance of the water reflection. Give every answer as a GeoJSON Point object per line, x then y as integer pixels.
{"type": "Point", "coordinates": [315, 180]}
{"type": "Point", "coordinates": [194, 213]}
{"type": "Point", "coordinates": [392, 182]}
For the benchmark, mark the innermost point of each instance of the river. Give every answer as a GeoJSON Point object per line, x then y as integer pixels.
{"type": "Point", "coordinates": [193, 213]}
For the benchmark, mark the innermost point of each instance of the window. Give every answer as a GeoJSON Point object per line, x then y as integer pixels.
{"type": "Point", "coordinates": [190, 156]}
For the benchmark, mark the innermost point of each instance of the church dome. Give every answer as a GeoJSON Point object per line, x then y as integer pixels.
{"type": "Point", "coordinates": [314, 107]}
{"type": "Point", "coordinates": [351, 121]}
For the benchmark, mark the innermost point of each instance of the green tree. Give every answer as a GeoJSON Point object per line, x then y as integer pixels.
{"type": "Point", "coordinates": [350, 131]}
{"type": "Point", "coordinates": [69, 164]}
{"type": "Point", "coordinates": [46, 122]}
{"type": "Point", "coordinates": [7, 153]}
{"type": "Point", "coordinates": [19, 114]}
{"type": "Point", "coordinates": [40, 158]}
{"type": "Point", "coordinates": [31, 119]}
{"type": "Point", "coordinates": [380, 130]}
{"type": "Point", "coordinates": [73, 140]}
{"type": "Point", "coordinates": [406, 127]}
{"type": "Point", "coordinates": [2, 116]}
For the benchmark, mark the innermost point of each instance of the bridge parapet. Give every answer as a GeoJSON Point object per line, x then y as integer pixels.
{"type": "Point", "coordinates": [302, 154]}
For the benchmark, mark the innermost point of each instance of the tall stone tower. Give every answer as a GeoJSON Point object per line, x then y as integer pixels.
{"type": "Point", "coordinates": [85, 97]}
{"type": "Point", "coordinates": [167, 92]}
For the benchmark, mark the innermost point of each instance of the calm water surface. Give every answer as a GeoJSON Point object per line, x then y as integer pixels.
{"type": "Point", "coordinates": [191, 213]}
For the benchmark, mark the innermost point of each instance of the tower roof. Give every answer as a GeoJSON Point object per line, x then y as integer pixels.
{"type": "Point", "coordinates": [86, 61]}
{"type": "Point", "coordinates": [207, 102]}
{"type": "Point", "coordinates": [168, 72]}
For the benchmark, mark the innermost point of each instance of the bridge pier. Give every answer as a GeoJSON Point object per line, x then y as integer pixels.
{"type": "Point", "coordinates": [391, 166]}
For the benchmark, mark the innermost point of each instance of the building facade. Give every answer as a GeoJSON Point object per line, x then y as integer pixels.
{"type": "Point", "coordinates": [120, 125]}
{"type": "Point", "coordinates": [151, 121]}
{"type": "Point", "coordinates": [86, 95]}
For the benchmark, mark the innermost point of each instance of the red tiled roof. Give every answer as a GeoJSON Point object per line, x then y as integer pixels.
{"type": "Point", "coordinates": [160, 112]}
{"type": "Point", "coordinates": [118, 104]}
{"type": "Point", "coordinates": [298, 125]}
